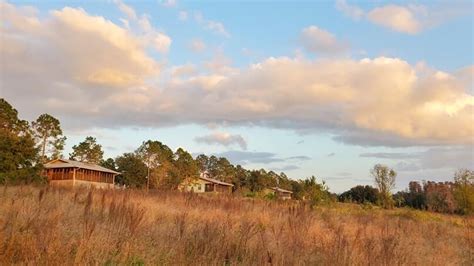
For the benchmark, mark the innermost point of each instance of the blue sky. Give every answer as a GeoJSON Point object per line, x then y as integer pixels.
{"type": "Point", "coordinates": [290, 86]}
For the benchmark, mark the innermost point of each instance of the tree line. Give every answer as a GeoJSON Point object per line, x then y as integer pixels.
{"type": "Point", "coordinates": [25, 147]}
{"type": "Point", "coordinates": [455, 196]}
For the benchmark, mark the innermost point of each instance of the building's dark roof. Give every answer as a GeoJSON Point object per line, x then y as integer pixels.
{"type": "Point", "coordinates": [64, 163]}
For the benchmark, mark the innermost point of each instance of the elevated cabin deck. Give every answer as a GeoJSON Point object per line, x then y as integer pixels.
{"type": "Point", "coordinates": [71, 173]}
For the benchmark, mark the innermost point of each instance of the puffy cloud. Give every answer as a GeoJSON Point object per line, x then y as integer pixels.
{"type": "Point", "coordinates": [410, 19]}
{"type": "Point", "coordinates": [395, 17]}
{"type": "Point", "coordinates": [100, 74]}
{"type": "Point", "coordinates": [223, 138]}
{"type": "Point", "coordinates": [320, 41]}
{"type": "Point", "coordinates": [148, 35]}
{"type": "Point", "coordinates": [183, 70]}
{"type": "Point", "coordinates": [161, 42]}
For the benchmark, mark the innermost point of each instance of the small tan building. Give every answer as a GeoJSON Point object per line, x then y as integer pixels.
{"type": "Point", "coordinates": [279, 192]}
{"type": "Point", "coordinates": [64, 172]}
{"type": "Point", "coordinates": [205, 184]}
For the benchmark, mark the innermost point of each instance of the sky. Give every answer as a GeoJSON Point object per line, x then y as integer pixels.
{"type": "Point", "coordinates": [323, 88]}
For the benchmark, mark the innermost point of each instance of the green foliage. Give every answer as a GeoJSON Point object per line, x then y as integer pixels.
{"type": "Point", "coordinates": [270, 196]}
{"type": "Point", "coordinates": [415, 197]}
{"type": "Point", "coordinates": [315, 192]}
{"type": "Point", "coordinates": [109, 164]}
{"type": "Point", "coordinates": [18, 155]}
{"type": "Point", "coordinates": [360, 194]}
{"type": "Point", "coordinates": [159, 161]}
{"type": "Point", "coordinates": [185, 167]}
{"type": "Point", "coordinates": [49, 137]}
{"type": "Point", "coordinates": [133, 170]}
{"type": "Point", "coordinates": [87, 151]}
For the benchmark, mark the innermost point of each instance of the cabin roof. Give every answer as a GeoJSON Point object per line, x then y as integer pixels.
{"type": "Point", "coordinates": [281, 190]}
{"type": "Point", "coordinates": [64, 163]}
{"type": "Point", "coordinates": [215, 181]}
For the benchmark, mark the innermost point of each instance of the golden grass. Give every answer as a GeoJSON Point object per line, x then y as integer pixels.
{"type": "Point", "coordinates": [61, 227]}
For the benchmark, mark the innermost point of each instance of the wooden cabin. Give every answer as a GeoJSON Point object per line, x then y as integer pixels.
{"type": "Point", "coordinates": [280, 193]}
{"type": "Point", "coordinates": [72, 173]}
{"type": "Point", "coordinates": [205, 184]}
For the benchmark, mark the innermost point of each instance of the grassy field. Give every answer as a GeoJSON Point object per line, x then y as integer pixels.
{"type": "Point", "coordinates": [43, 225]}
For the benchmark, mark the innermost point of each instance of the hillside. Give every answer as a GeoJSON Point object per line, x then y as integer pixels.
{"type": "Point", "coordinates": [44, 225]}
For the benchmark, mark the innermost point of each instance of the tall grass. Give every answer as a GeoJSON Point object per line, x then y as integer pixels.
{"type": "Point", "coordinates": [59, 226]}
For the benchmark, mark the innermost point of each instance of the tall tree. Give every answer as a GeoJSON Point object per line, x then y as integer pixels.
{"type": "Point", "coordinates": [384, 178]}
{"type": "Point", "coordinates": [158, 157]}
{"type": "Point", "coordinates": [49, 136]}
{"type": "Point", "coordinates": [109, 164]}
{"type": "Point", "coordinates": [185, 167]}
{"type": "Point", "coordinates": [18, 153]}
{"type": "Point", "coordinates": [360, 194]}
{"type": "Point", "coordinates": [202, 161]}
{"type": "Point", "coordinates": [87, 151]}
{"type": "Point", "coordinates": [133, 171]}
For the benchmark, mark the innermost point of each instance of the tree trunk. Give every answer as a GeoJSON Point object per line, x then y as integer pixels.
{"type": "Point", "coordinates": [43, 150]}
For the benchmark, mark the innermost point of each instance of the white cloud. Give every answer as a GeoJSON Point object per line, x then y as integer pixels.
{"type": "Point", "coordinates": [211, 25]}
{"type": "Point", "coordinates": [183, 15]}
{"type": "Point", "coordinates": [100, 74]}
{"type": "Point", "coordinates": [223, 138]}
{"type": "Point", "coordinates": [144, 29]}
{"type": "Point", "coordinates": [317, 40]}
{"type": "Point", "coordinates": [127, 10]}
{"type": "Point", "coordinates": [169, 3]}
{"type": "Point", "coordinates": [161, 42]}
{"type": "Point", "coordinates": [395, 17]}
{"type": "Point", "coordinates": [352, 11]}
{"type": "Point", "coordinates": [409, 19]}
{"type": "Point", "coordinates": [183, 70]}
{"type": "Point", "coordinates": [217, 27]}
{"type": "Point", "coordinates": [197, 45]}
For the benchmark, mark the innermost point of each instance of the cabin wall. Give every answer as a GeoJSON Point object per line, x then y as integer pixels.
{"type": "Point", "coordinates": [197, 186]}
{"type": "Point", "coordinates": [94, 176]}
{"type": "Point", "coordinates": [59, 173]}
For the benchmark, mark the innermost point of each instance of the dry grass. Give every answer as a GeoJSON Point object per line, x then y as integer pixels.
{"type": "Point", "coordinates": [62, 227]}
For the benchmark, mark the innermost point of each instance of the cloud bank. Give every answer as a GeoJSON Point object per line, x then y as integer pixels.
{"type": "Point", "coordinates": [100, 74]}
{"type": "Point", "coordinates": [223, 138]}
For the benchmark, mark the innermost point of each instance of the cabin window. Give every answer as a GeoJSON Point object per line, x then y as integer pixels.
{"type": "Point", "coordinates": [199, 187]}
